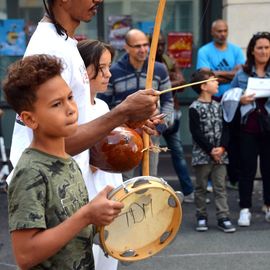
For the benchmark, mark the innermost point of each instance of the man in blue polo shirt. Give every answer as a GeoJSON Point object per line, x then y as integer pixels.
{"type": "Point", "coordinates": [222, 57]}
{"type": "Point", "coordinates": [129, 75]}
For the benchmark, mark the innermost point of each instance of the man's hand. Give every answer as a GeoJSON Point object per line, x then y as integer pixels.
{"type": "Point", "coordinates": [149, 126]}
{"type": "Point", "coordinates": [153, 125]}
{"type": "Point", "coordinates": [140, 105]}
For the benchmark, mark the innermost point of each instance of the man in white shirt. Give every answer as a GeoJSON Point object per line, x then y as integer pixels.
{"type": "Point", "coordinates": [54, 35]}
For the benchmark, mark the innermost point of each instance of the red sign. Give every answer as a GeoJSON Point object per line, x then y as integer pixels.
{"type": "Point", "coordinates": [180, 48]}
{"type": "Point", "coordinates": [118, 27]}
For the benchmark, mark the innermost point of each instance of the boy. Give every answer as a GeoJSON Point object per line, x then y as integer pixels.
{"type": "Point", "coordinates": [210, 138]}
{"type": "Point", "coordinates": [49, 213]}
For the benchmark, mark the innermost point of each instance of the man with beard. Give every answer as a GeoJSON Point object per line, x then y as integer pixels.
{"type": "Point", "coordinates": [55, 36]}
{"type": "Point", "coordinates": [129, 75]}
{"type": "Point", "coordinates": [222, 57]}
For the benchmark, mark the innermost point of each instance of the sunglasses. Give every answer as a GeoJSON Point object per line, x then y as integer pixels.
{"type": "Point", "coordinates": [262, 34]}
{"type": "Point", "coordinates": [138, 46]}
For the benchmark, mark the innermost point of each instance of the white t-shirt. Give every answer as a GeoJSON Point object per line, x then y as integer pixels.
{"type": "Point", "coordinates": [46, 40]}
{"type": "Point", "coordinates": [102, 178]}
{"type": "Point", "coordinates": [99, 180]}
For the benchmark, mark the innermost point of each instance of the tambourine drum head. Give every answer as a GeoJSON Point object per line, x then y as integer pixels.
{"type": "Point", "coordinates": [148, 222]}
{"type": "Point", "coordinates": [120, 151]}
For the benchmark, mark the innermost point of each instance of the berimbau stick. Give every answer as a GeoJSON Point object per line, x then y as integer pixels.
{"type": "Point", "coordinates": [186, 85]}
{"type": "Point", "coordinates": [149, 78]}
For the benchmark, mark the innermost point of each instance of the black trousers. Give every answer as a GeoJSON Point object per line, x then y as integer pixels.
{"type": "Point", "coordinates": [250, 147]}
{"type": "Point", "coordinates": [233, 168]}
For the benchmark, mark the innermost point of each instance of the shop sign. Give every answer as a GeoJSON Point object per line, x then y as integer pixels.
{"type": "Point", "coordinates": [180, 48]}
{"type": "Point", "coordinates": [118, 27]}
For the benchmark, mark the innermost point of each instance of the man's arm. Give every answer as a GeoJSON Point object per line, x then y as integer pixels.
{"type": "Point", "coordinates": [202, 59]}
{"type": "Point", "coordinates": [137, 107]}
{"type": "Point", "coordinates": [226, 76]}
{"type": "Point", "coordinates": [223, 76]}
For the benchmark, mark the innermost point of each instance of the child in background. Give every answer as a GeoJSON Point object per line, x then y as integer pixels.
{"type": "Point", "coordinates": [209, 158]}
{"type": "Point", "coordinates": [49, 212]}
{"type": "Point", "coordinates": [97, 57]}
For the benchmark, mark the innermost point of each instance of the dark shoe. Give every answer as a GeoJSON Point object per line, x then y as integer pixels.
{"type": "Point", "coordinates": [201, 224]}
{"type": "Point", "coordinates": [225, 225]}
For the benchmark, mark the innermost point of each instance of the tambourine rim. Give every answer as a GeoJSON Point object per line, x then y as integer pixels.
{"type": "Point", "coordinates": [125, 184]}
{"type": "Point", "coordinates": [169, 189]}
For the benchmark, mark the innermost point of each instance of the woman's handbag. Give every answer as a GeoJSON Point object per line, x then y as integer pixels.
{"type": "Point", "coordinates": [264, 121]}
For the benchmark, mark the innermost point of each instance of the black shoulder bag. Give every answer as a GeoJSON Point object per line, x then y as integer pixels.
{"type": "Point", "coordinates": [264, 121]}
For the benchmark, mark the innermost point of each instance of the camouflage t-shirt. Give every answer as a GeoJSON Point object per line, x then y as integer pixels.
{"type": "Point", "coordinates": [44, 191]}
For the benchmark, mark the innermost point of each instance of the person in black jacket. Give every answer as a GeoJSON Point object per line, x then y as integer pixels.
{"type": "Point", "coordinates": [209, 157]}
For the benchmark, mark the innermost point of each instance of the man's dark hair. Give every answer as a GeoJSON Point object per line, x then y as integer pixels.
{"type": "Point", "coordinates": [24, 78]}
{"type": "Point", "coordinates": [49, 12]}
{"type": "Point", "coordinates": [200, 75]}
{"type": "Point", "coordinates": [91, 51]}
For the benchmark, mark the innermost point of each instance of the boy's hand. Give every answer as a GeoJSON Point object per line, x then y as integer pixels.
{"type": "Point", "coordinates": [101, 211]}
{"type": "Point", "coordinates": [217, 152]}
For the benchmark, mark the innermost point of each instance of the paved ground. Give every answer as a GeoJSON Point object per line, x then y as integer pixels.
{"type": "Point", "coordinates": [246, 249]}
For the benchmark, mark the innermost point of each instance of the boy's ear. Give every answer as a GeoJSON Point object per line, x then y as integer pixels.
{"type": "Point", "coordinates": [28, 118]}
{"type": "Point", "coordinates": [203, 86]}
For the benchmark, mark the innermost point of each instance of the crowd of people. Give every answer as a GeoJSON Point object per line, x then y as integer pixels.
{"type": "Point", "coordinates": [243, 112]}
{"type": "Point", "coordinates": [68, 95]}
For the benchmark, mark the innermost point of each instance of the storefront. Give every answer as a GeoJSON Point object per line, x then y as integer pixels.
{"type": "Point", "coordinates": [186, 22]}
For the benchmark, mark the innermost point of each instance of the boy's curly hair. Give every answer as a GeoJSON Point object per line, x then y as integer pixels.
{"type": "Point", "coordinates": [24, 78]}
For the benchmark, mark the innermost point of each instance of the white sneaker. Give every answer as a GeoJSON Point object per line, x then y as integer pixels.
{"type": "Point", "coordinates": [244, 218]}
{"type": "Point", "coordinates": [267, 214]}
{"type": "Point", "coordinates": [264, 209]}
{"type": "Point", "coordinates": [189, 198]}
{"type": "Point", "coordinates": [209, 187]}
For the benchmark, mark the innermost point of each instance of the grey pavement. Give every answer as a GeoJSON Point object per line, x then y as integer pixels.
{"type": "Point", "coordinates": [246, 249]}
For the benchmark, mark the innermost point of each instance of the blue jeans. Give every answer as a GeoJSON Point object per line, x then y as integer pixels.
{"type": "Point", "coordinates": [172, 138]}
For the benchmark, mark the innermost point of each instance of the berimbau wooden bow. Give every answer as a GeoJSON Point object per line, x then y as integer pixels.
{"type": "Point", "coordinates": [149, 77]}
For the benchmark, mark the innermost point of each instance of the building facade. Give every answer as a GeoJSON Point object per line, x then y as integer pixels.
{"type": "Point", "coordinates": [191, 18]}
